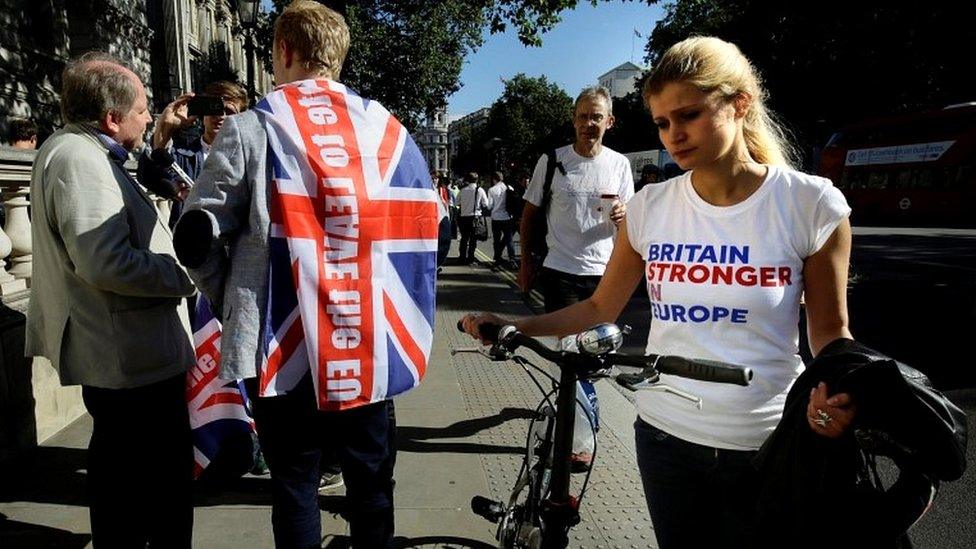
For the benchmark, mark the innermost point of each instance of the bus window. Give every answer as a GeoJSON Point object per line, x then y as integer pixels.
{"type": "Point", "coordinates": [877, 180]}
{"type": "Point", "coordinates": [907, 170]}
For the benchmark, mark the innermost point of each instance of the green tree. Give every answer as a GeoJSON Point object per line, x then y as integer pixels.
{"type": "Point", "coordinates": [472, 151]}
{"type": "Point", "coordinates": [532, 116]}
{"type": "Point", "coordinates": [828, 64]}
{"type": "Point", "coordinates": [408, 54]}
{"type": "Point", "coordinates": [633, 130]}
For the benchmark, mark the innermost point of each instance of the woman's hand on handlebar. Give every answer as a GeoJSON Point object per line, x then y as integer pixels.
{"type": "Point", "coordinates": [830, 417]}
{"type": "Point", "coordinates": [472, 323]}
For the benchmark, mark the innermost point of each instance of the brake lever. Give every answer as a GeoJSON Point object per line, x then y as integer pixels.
{"type": "Point", "coordinates": [495, 352]}
{"type": "Point", "coordinates": [652, 384]}
{"type": "Point", "coordinates": [694, 399]}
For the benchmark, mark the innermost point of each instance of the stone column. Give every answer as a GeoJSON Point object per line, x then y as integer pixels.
{"type": "Point", "coordinates": [8, 284]}
{"type": "Point", "coordinates": [18, 228]}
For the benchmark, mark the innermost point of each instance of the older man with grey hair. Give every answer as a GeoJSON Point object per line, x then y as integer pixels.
{"type": "Point", "coordinates": [581, 190]}
{"type": "Point", "coordinates": [106, 308]}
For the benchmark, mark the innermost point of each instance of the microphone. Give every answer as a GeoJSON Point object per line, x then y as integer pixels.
{"type": "Point", "coordinates": [163, 159]}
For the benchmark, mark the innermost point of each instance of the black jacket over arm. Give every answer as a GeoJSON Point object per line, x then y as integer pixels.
{"type": "Point", "coordinates": [824, 492]}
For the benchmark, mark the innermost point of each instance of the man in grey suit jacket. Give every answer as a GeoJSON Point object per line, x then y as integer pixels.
{"type": "Point", "coordinates": [223, 238]}
{"type": "Point", "coordinates": [107, 308]}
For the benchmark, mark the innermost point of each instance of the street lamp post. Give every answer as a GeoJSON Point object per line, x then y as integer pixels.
{"type": "Point", "coordinates": [247, 12]}
{"type": "Point", "coordinates": [494, 146]}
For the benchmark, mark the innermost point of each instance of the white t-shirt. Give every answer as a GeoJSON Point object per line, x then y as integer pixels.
{"type": "Point", "coordinates": [496, 201]}
{"type": "Point", "coordinates": [471, 199]}
{"type": "Point", "coordinates": [580, 238]}
{"type": "Point", "coordinates": [725, 284]}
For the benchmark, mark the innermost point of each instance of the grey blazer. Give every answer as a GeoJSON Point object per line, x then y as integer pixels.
{"type": "Point", "coordinates": [232, 190]}
{"type": "Point", "coordinates": [106, 305]}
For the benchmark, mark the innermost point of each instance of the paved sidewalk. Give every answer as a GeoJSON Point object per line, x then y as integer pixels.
{"type": "Point", "coordinates": [460, 434]}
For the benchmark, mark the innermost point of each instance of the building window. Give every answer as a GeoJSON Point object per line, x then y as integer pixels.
{"type": "Point", "coordinates": [190, 10]}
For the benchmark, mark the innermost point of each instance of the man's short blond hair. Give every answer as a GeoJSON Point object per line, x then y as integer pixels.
{"type": "Point", "coordinates": [318, 35]}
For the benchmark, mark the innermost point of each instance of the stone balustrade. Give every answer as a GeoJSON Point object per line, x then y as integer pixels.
{"type": "Point", "coordinates": [33, 404]}
{"type": "Point", "coordinates": [15, 234]}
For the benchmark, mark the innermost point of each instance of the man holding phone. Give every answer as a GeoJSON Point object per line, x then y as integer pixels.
{"type": "Point", "coordinates": [219, 100]}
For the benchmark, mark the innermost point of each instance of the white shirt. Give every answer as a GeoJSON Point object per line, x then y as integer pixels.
{"type": "Point", "coordinates": [725, 284]}
{"type": "Point", "coordinates": [471, 199]}
{"type": "Point", "coordinates": [205, 148]}
{"type": "Point", "coordinates": [496, 201]}
{"type": "Point", "coordinates": [580, 238]}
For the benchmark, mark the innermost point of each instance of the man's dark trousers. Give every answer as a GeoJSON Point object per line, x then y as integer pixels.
{"type": "Point", "coordinates": [561, 289]}
{"type": "Point", "coordinates": [294, 434]}
{"type": "Point", "coordinates": [501, 232]}
{"type": "Point", "coordinates": [135, 431]}
{"type": "Point", "coordinates": [468, 241]}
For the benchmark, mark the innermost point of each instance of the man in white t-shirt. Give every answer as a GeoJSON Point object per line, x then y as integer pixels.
{"type": "Point", "coordinates": [587, 201]}
{"type": "Point", "coordinates": [585, 205]}
{"type": "Point", "coordinates": [471, 201]}
{"type": "Point", "coordinates": [502, 224]}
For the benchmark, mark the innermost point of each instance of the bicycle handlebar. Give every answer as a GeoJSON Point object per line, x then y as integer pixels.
{"type": "Point", "coordinates": [700, 369]}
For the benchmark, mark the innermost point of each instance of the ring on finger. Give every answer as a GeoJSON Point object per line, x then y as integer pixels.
{"type": "Point", "coordinates": [822, 419]}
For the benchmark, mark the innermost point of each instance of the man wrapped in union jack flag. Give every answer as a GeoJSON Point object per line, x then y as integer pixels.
{"type": "Point", "coordinates": [313, 232]}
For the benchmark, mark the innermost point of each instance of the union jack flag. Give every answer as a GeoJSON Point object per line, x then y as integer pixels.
{"type": "Point", "coordinates": [353, 246]}
{"type": "Point", "coordinates": [218, 409]}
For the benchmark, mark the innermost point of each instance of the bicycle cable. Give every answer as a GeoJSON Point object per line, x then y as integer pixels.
{"type": "Point", "coordinates": [525, 363]}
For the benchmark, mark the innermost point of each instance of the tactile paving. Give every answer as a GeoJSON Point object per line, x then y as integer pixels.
{"type": "Point", "coordinates": [614, 514]}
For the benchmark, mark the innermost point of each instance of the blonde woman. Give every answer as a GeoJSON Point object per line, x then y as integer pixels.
{"type": "Point", "coordinates": [726, 250]}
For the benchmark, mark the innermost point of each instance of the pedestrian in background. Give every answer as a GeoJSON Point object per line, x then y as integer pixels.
{"type": "Point", "coordinates": [171, 133]}
{"type": "Point", "coordinates": [650, 174]}
{"type": "Point", "coordinates": [472, 201]}
{"type": "Point", "coordinates": [582, 201]}
{"type": "Point", "coordinates": [22, 133]}
{"type": "Point", "coordinates": [455, 191]}
{"type": "Point", "coordinates": [502, 223]}
{"type": "Point", "coordinates": [741, 210]}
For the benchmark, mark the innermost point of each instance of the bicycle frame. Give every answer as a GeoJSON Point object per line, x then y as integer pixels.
{"type": "Point", "coordinates": [559, 511]}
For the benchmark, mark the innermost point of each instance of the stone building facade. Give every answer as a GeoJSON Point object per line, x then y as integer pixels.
{"type": "Point", "coordinates": [465, 126]}
{"type": "Point", "coordinates": [173, 45]}
{"type": "Point", "coordinates": [198, 41]}
{"type": "Point", "coordinates": [432, 140]}
{"type": "Point", "coordinates": [620, 80]}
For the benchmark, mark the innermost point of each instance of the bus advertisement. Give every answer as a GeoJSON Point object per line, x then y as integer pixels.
{"type": "Point", "coordinates": [914, 170]}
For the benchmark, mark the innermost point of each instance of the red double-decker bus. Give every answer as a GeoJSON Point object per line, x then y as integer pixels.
{"type": "Point", "coordinates": [914, 170]}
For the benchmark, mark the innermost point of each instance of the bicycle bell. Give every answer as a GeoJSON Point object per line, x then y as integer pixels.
{"type": "Point", "coordinates": [600, 339]}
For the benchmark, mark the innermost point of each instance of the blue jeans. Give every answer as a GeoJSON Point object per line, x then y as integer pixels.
{"type": "Point", "coordinates": [698, 496]}
{"type": "Point", "coordinates": [294, 436]}
{"type": "Point", "coordinates": [560, 290]}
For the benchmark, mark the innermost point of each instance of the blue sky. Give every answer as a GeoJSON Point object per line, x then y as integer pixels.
{"type": "Point", "coordinates": [587, 43]}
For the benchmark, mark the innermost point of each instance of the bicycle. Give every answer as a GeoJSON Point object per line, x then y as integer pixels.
{"type": "Point", "coordinates": [540, 511]}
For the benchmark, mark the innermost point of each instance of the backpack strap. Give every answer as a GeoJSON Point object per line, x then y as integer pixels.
{"type": "Point", "coordinates": [551, 166]}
